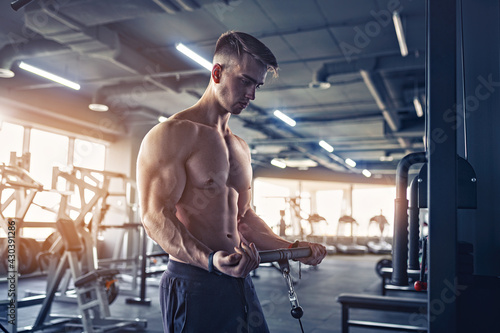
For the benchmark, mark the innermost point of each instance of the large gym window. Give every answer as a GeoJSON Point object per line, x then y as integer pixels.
{"type": "Point", "coordinates": [269, 200]}
{"type": "Point", "coordinates": [371, 201]}
{"type": "Point", "coordinates": [11, 137]}
{"type": "Point", "coordinates": [47, 150]}
{"type": "Point", "coordinates": [89, 155]}
{"type": "Point", "coordinates": [329, 206]}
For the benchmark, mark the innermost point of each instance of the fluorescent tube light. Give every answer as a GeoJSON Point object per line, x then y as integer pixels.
{"type": "Point", "coordinates": [6, 73]}
{"type": "Point", "coordinates": [366, 173]}
{"type": "Point", "coordinates": [194, 56]}
{"type": "Point", "coordinates": [283, 117]}
{"type": "Point", "coordinates": [350, 162]}
{"type": "Point", "coordinates": [386, 158]}
{"type": "Point", "coordinates": [418, 106]}
{"type": "Point", "coordinates": [49, 76]}
{"type": "Point", "coordinates": [326, 146]}
{"type": "Point", "coordinates": [278, 163]}
{"type": "Point", "coordinates": [98, 107]}
{"type": "Point", "coordinates": [400, 33]}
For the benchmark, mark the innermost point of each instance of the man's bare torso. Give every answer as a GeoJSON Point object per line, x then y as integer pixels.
{"type": "Point", "coordinates": [217, 169]}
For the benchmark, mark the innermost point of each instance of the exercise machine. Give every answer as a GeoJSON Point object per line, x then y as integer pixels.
{"type": "Point", "coordinates": [93, 300]}
{"type": "Point", "coordinates": [353, 247]}
{"type": "Point", "coordinates": [381, 246]}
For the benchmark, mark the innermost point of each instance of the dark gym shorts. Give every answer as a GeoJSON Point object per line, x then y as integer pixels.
{"type": "Point", "coordinates": [195, 301]}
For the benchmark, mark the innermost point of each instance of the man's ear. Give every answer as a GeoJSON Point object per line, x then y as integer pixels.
{"type": "Point", "coordinates": [216, 73]}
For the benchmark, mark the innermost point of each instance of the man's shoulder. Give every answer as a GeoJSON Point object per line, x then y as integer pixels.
{"type": "Point", "coordinates": [173, 127]}
{"type": "Point", "coordinates": [169, 136]}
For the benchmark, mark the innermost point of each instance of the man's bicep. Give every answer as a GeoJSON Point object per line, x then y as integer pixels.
{"type": "Point", "coordinates": [161, 181]}
{"type": "Point", "coordinates": [162, 187]}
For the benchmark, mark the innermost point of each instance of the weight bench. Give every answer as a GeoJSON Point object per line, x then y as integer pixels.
{"type": "Point", "coordinates": [381, 303]}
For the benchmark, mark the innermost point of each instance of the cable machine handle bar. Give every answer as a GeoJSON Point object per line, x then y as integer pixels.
{"type": "Point", "coordinates": [281, 254]}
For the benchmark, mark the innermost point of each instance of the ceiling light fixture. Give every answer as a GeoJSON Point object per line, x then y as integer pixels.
{"type": "Point", "coordinates": [366, 173]}
{"type": "Point", "coordinates": [98, 107]}
{"type": "Point", "coordinates": [326, 146]}
{"type": "Point", "coordinates": [398, 25]}
{"type": "Point", "coordinates": [278, 163]}
{"type": "Point", "coordinates": [350, 162]}
{"type": "Point", "coordinates": [283, 117]}
{"type": "Point", "coordinates": [162, 119]}
{"type": "Point", "coordinates": [98, 103]}
{"type": "Point", "coordinates": [6, 73]}
{"type": "Point", "coordinates": [194, 56]}
{"type": "Point", "coordinates": [319, 85]}
{"type": "Point", "coordinates": [50, 76]}
{"type": "Point", "coordinates": [418, 106]}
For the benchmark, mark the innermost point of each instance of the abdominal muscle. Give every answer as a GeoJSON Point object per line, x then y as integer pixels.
{"type": "Point", "coordinates": [213, 223]}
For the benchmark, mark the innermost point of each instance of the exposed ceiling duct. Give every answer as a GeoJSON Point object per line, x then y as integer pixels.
{"type": "Point", "coordinates": [373, 64]}
{"type": "Point", "coordinates": [67, 32]}
{"type": "Point", "coordinates": [17, 51]}
{"type": "Point", "coordinates": [130, 90]}
{"type": "Point", "coordinates": [370, 69]}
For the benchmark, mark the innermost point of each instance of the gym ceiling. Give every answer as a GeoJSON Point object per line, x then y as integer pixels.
{"type": "Point", "coordinates": [342, 76]}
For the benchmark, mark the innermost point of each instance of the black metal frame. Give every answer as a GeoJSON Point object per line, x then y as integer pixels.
{"type": "Point", "coordinates": [441, 97]}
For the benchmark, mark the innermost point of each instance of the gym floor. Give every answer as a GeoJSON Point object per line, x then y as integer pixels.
{"type": "Point", "coordinates": [317, 291]}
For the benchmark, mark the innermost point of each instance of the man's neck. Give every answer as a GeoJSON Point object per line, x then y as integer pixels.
{"type": "Point", "coordinates": [211, 112]}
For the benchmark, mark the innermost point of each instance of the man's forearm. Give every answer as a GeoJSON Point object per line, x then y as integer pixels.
{"type": "Point", "coordinates": [173, 237]}
{"type": "Point", "coordinates": [255, 230]}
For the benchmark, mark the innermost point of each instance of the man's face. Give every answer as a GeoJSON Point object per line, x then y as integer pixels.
{"type": "Point", "coordinates": [239, 82]}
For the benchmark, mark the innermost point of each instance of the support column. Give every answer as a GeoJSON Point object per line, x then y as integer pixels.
{"type": "Point", "coordinates": [442, 171]}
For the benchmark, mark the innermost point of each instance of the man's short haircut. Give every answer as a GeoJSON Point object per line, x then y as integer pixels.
{"type": "Point", "coordinates": [234, 43]}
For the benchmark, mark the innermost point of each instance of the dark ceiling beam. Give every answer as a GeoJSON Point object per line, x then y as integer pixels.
{"type": "Point", "coordinates": [330, 106]}
{"type": "Point", "coordinates": [330, 117]}
{"type": "Point", "coordinates": [353, 140]}
{"type": "Point", "coordinates": [324, 118]}
{"type": "Point", "coordinates": [390, 63]}
{"type": "Point", "coordinates": [386, 147]}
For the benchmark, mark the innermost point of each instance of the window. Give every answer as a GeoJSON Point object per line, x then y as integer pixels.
{"type": "Point", "coordinates": [329, 206]}
{"type": "Point", "coordinates": [369, 202]}
{"type": "Point", "coordinates": [269, 200]}
{"type": "Point", "coordinates": [89, 155]}
{"type": "Point", "coordinates": [11, 137]}
{"type": "Point", "coordinates": [47, 150]}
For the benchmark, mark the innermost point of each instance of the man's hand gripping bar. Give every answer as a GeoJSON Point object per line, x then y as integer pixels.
{"type": "Point", "coordinates": [284, 254]}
